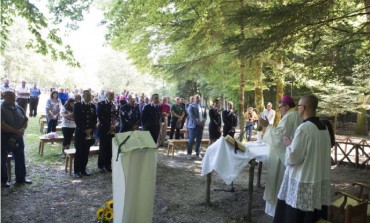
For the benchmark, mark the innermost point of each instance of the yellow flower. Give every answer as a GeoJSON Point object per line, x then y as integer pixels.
{"type": "Point", "coordinates": [109, 204]}
{"type": "Point", "coordinates": [100, 213]}
{"type": "Point", "coordinates": [108, 215]}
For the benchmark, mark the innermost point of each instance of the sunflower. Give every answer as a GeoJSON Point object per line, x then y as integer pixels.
{"type": "Point", "coordinates": [108, 215]}
{"type": "Point", "coordinates": [109, 204]}
{"type": "Point", "coordinates": [100, 213]}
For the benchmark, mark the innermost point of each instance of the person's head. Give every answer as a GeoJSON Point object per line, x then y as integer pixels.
{"type": "Point", "coordinates": [34, 85]}
{"type": "Point", "coordinates": [61, 90]}
{"type": "Point", "coordinates": [70, 104]}
{"type": "Point", "coordinates": [78, 97]}
{"type": "Point", "coordinates": [250, 110]}
{"type": "Point", "coordinates": [6, 81]}
{"type": "Point", "coordinates": [197, 98]}
{"type": "Point", "coordinates": [268, 106]}
{"type": "Point", "coordinates": [141, 100]}
{"type": "Point", "coordinates": [146, 100]}
{"type": "Point", "coordinates": [24, 83]}
{"type": "Point", "coordinates": [86, 95]}
{"type": "Point", "coordinates": [109, 95]}
{"type": "Point", "coordinates": [131, 99]}
{"type": "Point", "coordinates": [155, 98]}
{"type": "Point", "coordinates": [230, 105]}
{"type": "Point", "coordinates": [191, 99]}
{"type": "Point", "coordinates": [285, 104]}
{"type": "Point", "coordinates": [177, 99]}
{"type": "Point", "coordinates": [102, 92]}
{"type": "Point", "coordinates": [9, 97]}
{"type": "Point", "coordinates": [181, 100]}
{"type": "Point", "coordinates": [54, 94]}
{"type": "Point", "coordinates": [307, 106]}
{"type": "Point", "coordinates": [164, 100]}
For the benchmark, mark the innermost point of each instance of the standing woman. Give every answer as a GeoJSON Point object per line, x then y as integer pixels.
{"type": "Point", "coordinates": [250, 117]}
{"type": "Point", "coordinates": [53, 106]}
{"type": "Point", "coordinates": [68, 124]}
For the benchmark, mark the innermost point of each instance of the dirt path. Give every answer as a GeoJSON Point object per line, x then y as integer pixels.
{"type": "Point", "coordinates": [180, 194]}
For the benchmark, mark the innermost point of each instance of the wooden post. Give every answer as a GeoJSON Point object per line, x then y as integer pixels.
{"type": "Point", "coordinates": [259, 173]}
{"type": "Point", "coordinates": [248, 216]}
{"type": "Point", "coordinates": [208, 190]}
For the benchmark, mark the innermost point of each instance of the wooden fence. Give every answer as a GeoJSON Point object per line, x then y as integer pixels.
{"type": "Point", "coordinates": [350, 152]}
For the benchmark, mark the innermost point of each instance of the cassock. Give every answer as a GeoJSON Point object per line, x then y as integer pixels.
{"type": "Point", "coordinates": [275, 163]}
{"type": "Point", "coordinates": [304, 194]}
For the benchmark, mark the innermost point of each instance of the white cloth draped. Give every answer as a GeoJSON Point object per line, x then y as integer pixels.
{"type": "Point", "coordinates": [221, 158]}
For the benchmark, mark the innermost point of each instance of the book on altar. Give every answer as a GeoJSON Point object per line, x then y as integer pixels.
{"type": "Point", "coordinates": [232, 141]}
{"type": "Point", "coordinates": [135, 140]}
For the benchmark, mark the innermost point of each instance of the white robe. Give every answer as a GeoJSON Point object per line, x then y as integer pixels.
{"type": "Point", "coordinates": [275, 164]}
{"type": "Point", "coordinates": [306, 183]}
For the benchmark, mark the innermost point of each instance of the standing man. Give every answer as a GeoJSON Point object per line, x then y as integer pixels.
{"type": "Point", "coordinates": [5, 87]}
{"type": "Point", "coordinates": [196, 120]}
{"type": "Point", "coordinates": [151, 117]}
{"type": "Point", "coordinates": [129, 115]}
{"type": "Point", "coordinates": [108, 122]}
{"type": "Point", "coordinates": [274, 137]}
{"type": "Point", "coordinates": [304, 194]}
{"type": "Point", "coordinates": [34, 100]}
{"type": "Point", "coordinates": [62, 95]}
{"type": "Point", "coordinates": [177, 115]}
{"type": "Point", "coordinates": [230, 120]}
{"type": "Point", "coordinates": [13, 125]}
{"type": "Point", "coordinates": [269, 113]}
{"type": "Point", "coordinates": [214, 127]}
{"type": "Point", "coordinates": [164, 120]}
{"type": "Point", "coordinates": [23, 95]}
{"type": "Point", "coordinates": [84, 114]}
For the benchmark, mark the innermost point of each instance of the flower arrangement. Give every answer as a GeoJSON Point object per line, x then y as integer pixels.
{"type": "Point", "coordinates": [105, 213]}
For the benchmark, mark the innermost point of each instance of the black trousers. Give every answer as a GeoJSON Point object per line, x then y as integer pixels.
{"type": "Point", "coordinates": [82, 152]}
{"type": "Point", "coordinates": [173, 127]}
{"type": "Point", "coordinates": [105, 150]}
{"type": "Point", "coordinates": [34, 102]}
{"type": "Point", "coordinates": [154, 131]}
{"type": "Point", "coordinates": [23, 102]}
{"type": "Point", "coordinates": [227, 131]}
{"type": "Point", "coordinates": [67, 135]}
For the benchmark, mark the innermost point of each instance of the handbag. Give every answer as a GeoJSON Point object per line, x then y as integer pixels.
{"type": "Point", "coordinates": [13, 142]}
{"type": "Point", "coordinates": [178, 124]}
{"type": "Point", "coordinates": [90, 140]}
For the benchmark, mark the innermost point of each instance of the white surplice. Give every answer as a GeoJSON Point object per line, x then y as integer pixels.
{"type": "Point", "coordinates": [275, 164]}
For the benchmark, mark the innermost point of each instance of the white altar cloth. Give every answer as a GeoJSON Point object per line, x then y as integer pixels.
{"type": "Point", "coordinates": [221, 157]}
{"type": "Point", "coordinates": [134, 177]}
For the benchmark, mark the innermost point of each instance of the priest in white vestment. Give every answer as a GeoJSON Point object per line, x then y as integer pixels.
{"type": "Point", "coordinates": [304, 194]}
{"type": "Point", "coordinates": [274, 137]}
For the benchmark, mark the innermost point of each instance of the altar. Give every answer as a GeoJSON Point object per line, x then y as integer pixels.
{"type": "Point", "coordinates": [228, 164]}
{"type": "Point", "coordinates": [134, 175]}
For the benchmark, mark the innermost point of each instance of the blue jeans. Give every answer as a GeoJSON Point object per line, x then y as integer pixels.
{"type": "Point", "coordinates": [195, 134]}
{"type": "Point", "coordinates": [18, 156]}
{"type": "Point", "coordinates": [248, 130]}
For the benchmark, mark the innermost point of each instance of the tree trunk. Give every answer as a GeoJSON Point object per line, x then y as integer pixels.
{"type": "Point", "coordinates": [367, 10]}
{"type": "Point", "coordinates": [258, 85]}
{"type": "Point", "coordinates": [279, 95]}
{"type": "Point", "coordinates": [361, 124]}
{"type": "Point", "coordinates": [241, 97]}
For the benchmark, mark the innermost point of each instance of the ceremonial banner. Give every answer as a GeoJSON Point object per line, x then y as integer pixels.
{"type": "Point", "coordinates": [134, 176]}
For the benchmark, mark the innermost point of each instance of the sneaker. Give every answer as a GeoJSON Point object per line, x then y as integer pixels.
{"type": "Point", "coordinates": [199, 156]}
{"type": "Point", "coordinates": [188, 157]}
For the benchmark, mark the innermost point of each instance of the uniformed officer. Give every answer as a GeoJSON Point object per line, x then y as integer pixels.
{"type": "Point", "coordinates": [84, 114]}
{"type": "Point", "coordinates": [151, 117]}
{"type": "Point", "coordinates": [108, 123]}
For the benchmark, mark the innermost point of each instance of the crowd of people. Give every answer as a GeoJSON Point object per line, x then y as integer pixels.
{"type": "Point", "coordinates": [299, 155]}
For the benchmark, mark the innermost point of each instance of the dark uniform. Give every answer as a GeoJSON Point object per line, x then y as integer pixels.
{"type": "Point", "coordinates": [230, 120]}
{"type": "Point", "coordinates": [130, 117]}
{"type": "Point", "coordinates": [85, 117]}
{"type": "Point", "coordinates": [107, 115]}
{"type": "Point", "coordinates": [151, 118]}
{"type": "Point", "coordinates": [214, 127]}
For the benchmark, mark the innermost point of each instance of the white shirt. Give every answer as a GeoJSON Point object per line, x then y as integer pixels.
{"type": "Point", "coordinates": [270, 115]}
{"type": "Point", "coordinates": [66, 123]}
{"type": "Point", "coordinates": [23, 92]}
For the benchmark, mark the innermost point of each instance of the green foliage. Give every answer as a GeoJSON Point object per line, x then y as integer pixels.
{"type": "Point", "coordinates": [46, 40]}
